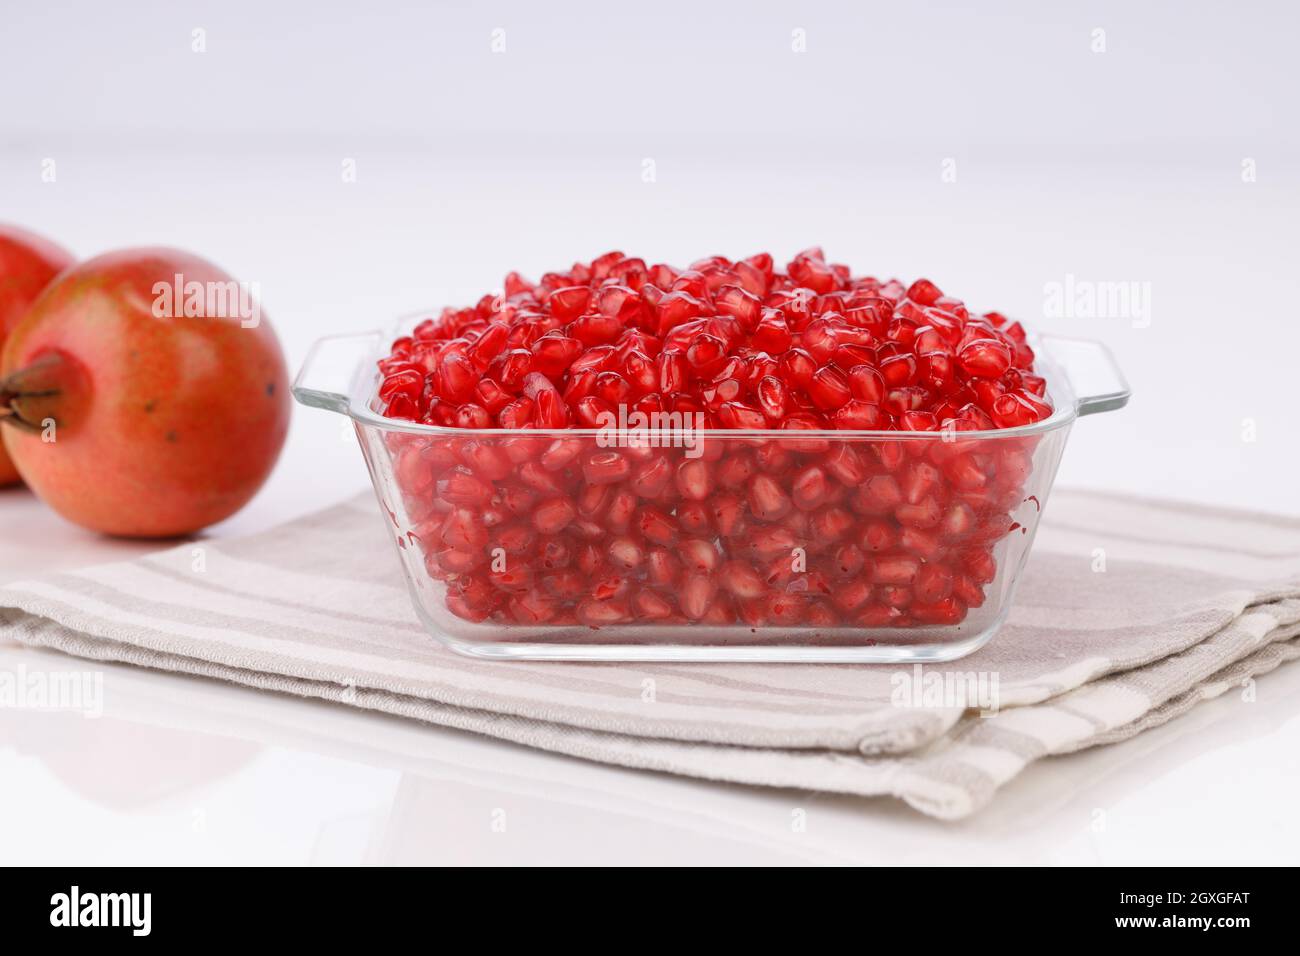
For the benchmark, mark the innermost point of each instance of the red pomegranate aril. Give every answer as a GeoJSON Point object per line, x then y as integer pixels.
{"type": "Point", "coordinates": [829, 388]}
{"type": "Point", "coordinates": [693, 479]}
{"type": "Point", "coordinates": [879, 494]}
{"type": "Point", "coordinates": [516, 364]}
{"type": "Point", "coordinates": [895, 596]}
{"type": "Point", "coordinates": [786, 610]}
{"type": "Point", "coordinates": [735, 415]}
{"type": "Point", "coordinates": [967, 591]}
{"type": "Point", "coordinates": [693, 518]}
{"type": "Point", "coordinates": [517, 414]}
{"type": "Point", "coordinates": [933, 583]}
{"type": "Point", "coordinates": [845, 464]}
{"type": "Point", "coordinates": [767, 500]}
{"type": "Point", "coordinates": [596, 330]}
{"type": "Point", "coordinates": [553, 354]}
{"type": "Point", "coordinates": [1033, 384]}
{"type": "Point", "coordinates": [550, 408]}
{"type": "Point", "coordinates": [409, 383]}
{"type": "Point", "coordinates": [672, 372]}
{"type": "Point", "coordinates": [771, 335]}
{"type": "Point", "coordinates": [984, 358]}
{"type": "Point", "coordinates": [857, 415]}
{"type": "Point", "coordinates": [656, 527]}
{"type": "Point", "coordinates": [553, 515]}
{"type": "Point", "coordinates": [593, 412]}
{"type": "Point", "coordinates": [464, 531]}
{"type": "Point", "coordinates": [947, 611]}
{"type": "Point", "coordinates": [597, 613]}
{"type": "Point", "coordinates": [895, 569]}
{"type": "Point", "coordinates": [851, 595]}
{"type": "Point", "coordinates": [624, 553]}
{"type": "Point", "coordinates": [923, 292]}
{"type": "Point", "coordinates": [773, 397]}
{"type": "Point", "coordinates": [612, 388]}
{"type": "Point", "coordinates": [917, 422]}
{"type": "Point", "coordinates": [847, 560]}
{"type": "Point", "coordinates": [1018, 408]}
{"type": "Point", "coordinates": [899, 370]}
{"type": "Point", "coordinates": [880, 615]}
{"type": "Point", "coordinates": [640, 372]}
{"type": "Point", "coordinates": [650, 606]}
{"type": "Point", "coordinates": [662, 567]}
{"type": "Point", "coordinates": [810, 488]}
{"type": "Point", "coordinates": [622, 507]}
{"type": "Point", "coordinates": [959, 520]}
{"type": "Point", "coordinates": [532, 607]}
{"type": "Point", "coordinates": [923, 544]}
{"type": "Point", "coordinates": [867, 384]}
{"type": "Point", "coordinates": [457, 379]}
{"type": "Point", "coordinates": [924, 514]}
{"type": "Point", "coordinates": [697, 593]}
{"type": "Point", "coordinates": [796, 368]}
{"type": "Point", "coordinates": [828, 525]}
{"type": "Point", "coordinates": [740, 578]}
{"type": "Point", "coordinates": [485, 460]}
{"type": "Point", "coordinates": [569, 302]}
{"type": "Point", "coordinates": [460, 487]}
{"type": "Point", "coordinates": [605, 468]}
{"type": "Point", "coordinates": [699, 555]}
{"type": "Point", "coordinates": [652, 478]}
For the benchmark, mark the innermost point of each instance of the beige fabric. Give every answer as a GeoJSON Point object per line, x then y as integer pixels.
{"type": "Point", "coordinates": [1130, 613]}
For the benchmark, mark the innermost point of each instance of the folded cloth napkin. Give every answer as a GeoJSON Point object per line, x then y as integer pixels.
{"type": "Point", "coordinates": [1130, 612]}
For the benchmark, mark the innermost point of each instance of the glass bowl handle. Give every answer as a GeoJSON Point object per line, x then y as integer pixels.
{"type": "Point", "coordinates": [1099, 385]}
{"type": "Point", "coordinates": [329, 369]}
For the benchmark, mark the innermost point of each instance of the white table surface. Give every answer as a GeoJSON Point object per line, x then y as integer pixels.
{"type": "Point", "coordinates": [1126, 166]}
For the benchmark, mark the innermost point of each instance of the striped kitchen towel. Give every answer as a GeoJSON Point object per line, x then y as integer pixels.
{"type": "Point", "coordinates": [1130, 612]}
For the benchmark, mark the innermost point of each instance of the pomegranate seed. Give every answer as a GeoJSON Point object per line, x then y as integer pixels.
{"type": "Point", "coordinates": [828, 388]}
{"type": "Point", "coordinates": [550, 408]}
{"type": "Point", "coordinates": [605, 468]}
{"type": "Point", "coordinates": [693, 479]}
{"type": "Point", "coordinates": [851, 595]}
{"type": "Point", "coordinates": [933, 583]}
{"type": "Point", "coordinates": [867, 384]}
{"type": "Point", "coordinates": [662, 568]}
{"type": "Point", "coordinates": [862, 416]}
{"type": "Point", "coordinates": [740, 579]}
{"type": "Point", "coordinates": [767, 500]}
{"type": "Point", "coordinates": [810, 489]}
{"type": "Point", "coordinates": [848, 560]}
{"type": "Point", "coordinates": [947, 611]}
{"type": "Point", "coordinates": [650, 606]}
{"type": "Point", "coordinates": [697, 593]}
{"type": "Point", "coordinates": [554, 515]}
{"type": "Point", "coordinates": [985, 358]}
{"type": "Point", "coordinates": [773, 398]}
{"type": "Point", "coordinates": [569, 302]}
{"type": "Point", "coordinates": [553, 354]}
{"type": "Point", "coordinates": [894, 569]}
{"type": "Point", "coordinates": [923, 292]}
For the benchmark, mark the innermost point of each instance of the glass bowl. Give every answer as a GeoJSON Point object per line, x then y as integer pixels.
{"type": "Point", "coordinates": [675, 543]}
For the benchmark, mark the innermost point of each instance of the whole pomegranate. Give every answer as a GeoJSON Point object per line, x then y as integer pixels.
{"type": "Point", "coordinates": [27, 264]}
{"type": "Point", "coordinates": [144, 393]}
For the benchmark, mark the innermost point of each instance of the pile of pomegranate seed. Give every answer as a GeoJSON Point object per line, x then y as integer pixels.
{"type": "Point", "coordinates": [796, 530]}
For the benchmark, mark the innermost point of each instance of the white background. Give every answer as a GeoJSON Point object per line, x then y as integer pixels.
{"type": "Point", "coordinates": [1122, 165]}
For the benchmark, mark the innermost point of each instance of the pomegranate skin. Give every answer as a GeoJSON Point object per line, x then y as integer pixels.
{"type": "Point", "coordinates": [27, 264]}
{"type": "Point", "coordinates": [163, 424]}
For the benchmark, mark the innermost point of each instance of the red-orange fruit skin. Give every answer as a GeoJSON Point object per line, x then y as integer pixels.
{"type": "Point", "coordinates": [163, 425]}
{"type": "Point", "coordinates": [27, 264]}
